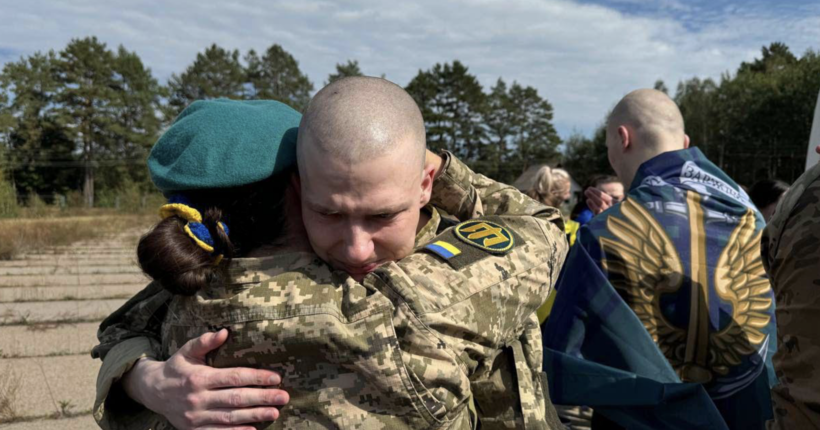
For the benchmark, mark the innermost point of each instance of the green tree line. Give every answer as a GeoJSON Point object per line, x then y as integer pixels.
{"type": "Point", "coordinates": [83, 119]}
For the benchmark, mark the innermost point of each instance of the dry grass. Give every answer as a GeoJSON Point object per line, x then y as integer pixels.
{"type": "Point", "coordinates": [10, 383]}
{"type": "Point", "coordinates": [21, 235]}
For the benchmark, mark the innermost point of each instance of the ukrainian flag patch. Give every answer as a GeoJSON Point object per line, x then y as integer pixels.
{"type": "Point", "coordinates": [443, 249]}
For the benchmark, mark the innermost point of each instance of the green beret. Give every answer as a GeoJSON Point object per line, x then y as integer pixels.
{"type": "Point", "coordinates": [224, 143]}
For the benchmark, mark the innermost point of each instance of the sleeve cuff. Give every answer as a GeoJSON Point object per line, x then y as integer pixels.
{"type": "Point", "coordinates": [113, 409]}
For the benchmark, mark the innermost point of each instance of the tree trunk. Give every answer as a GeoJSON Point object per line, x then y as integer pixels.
{"type": "Point", "coordinates": [88, 185]}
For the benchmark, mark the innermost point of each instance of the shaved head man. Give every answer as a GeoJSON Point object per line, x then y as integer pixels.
{"type": "Point", "coordinates": [644, 124]}
{"type": "Point", "coordinates": [365, 183]}
{"type": "Point", "coordinates": [682, 254]}
{"type": "Point", "coordinates": [363, 177]}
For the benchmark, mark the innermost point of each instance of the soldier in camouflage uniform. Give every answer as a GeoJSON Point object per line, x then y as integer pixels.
{"type": "Point", "coordinates": [791, 255]}
{"type": "Point", "coordinates": [418, 344]}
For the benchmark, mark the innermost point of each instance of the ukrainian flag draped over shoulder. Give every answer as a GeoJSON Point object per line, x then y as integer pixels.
{"type": "Point", "coordinates": [664, 317]}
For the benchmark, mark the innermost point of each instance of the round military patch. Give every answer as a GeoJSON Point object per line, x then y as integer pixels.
{"type": "Point", "coordinates": [486, 235]}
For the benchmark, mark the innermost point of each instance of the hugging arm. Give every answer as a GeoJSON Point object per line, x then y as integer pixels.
{"type": "Point", "coordinates": [133, 385]}
{"type": "Point", "coordinates": [465, 194]}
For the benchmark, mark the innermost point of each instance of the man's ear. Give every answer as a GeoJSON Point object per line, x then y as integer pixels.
{"type": "Point", "coordinates": [685, 141]}
{"type": "Point", "coordinates": [428, 176]}
{"type": "Point", "coordinates": [625, 137]}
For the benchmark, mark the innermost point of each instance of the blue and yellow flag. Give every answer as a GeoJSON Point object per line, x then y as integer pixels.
{"type": "Point", "coordinates": [664, 316]}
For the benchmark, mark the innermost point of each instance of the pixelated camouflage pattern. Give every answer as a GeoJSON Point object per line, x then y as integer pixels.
{"type": "Point", "coordinates": [404, 349]}
{"type": "Point", "coordinates": [791, 254]}
{"type": "Point", "coordinates": [466, 194]}
{"type": "Point", "coordinates": [334, 341]}
{"type": "Point", "coordinates": [140, 316]}
{"type": "Point", "coordinates": [431, 228]}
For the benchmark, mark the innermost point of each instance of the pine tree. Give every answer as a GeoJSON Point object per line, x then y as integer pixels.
{"type": "Point", "coordinates": [107, 104]}
{"type": "Point", "coordinates": [345, 71]}
{"type": "Point", "coordinates": [214, 73]}
{"type": "Point", "coordinates": [453, 104]}
{"type": "Point", "coordinates": [137, 124]}
{"type": "Point", "coordinates": [40, 154]}
{"type": "Point", "coordinates": [276, 76]}
{"type": "Point", "coordinates": [88, 100]}
{"type": "Point", "coordinates": [520, 127]}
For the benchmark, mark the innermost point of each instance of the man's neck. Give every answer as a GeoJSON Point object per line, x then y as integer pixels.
{"type": "Point", "coordinates": [631, 171]}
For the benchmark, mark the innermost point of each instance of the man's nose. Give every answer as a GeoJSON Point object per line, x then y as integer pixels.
{"type": "Point", "coordinates": [358, 245]}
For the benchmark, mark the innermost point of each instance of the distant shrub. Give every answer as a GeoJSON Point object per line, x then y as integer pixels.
{"type": "Point", "coordinates": [18, 236]}
{"type": "Point", "coordinates": [8, 199]}
{"type": "Point", "coordinates": [152, 202]}
{"type": "Point", "coordinates": [129, 198]}
{"type": "Point", "coordinates": [74, 199]}
{"type": "Point", "coordinates": [36, 207]}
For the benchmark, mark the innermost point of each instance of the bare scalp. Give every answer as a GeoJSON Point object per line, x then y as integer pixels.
{"type": "Point", "coordinates": [652, 115]}
{"type": "Point", "coordinates": [362, 118]}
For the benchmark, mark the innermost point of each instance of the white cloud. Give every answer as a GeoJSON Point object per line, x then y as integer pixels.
{"type": "Point", "coordinates": [582, 57]}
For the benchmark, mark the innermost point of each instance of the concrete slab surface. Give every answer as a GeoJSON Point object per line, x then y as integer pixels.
{"type": "Point", "coordinates": [47, 381]}
{"type": "Point", "coordinates": [32, 312]}
{"type": "Point", "coordinates": [66, 260]}
{"type": "Point", "coordinates": [83, 251]}
{"type": "Point", "coordinates": [68, 269]}
{"type": "Point", "coordinates": [74, 292]}
{"type": "Point", "coordinates": [48, 340]}
{"type": "Point", "coordinates": [74, 257]}
{"type": "Point", "coordinates": [47, 280]}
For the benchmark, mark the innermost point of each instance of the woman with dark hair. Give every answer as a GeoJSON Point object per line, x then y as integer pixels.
{"type": "Point", "coordinates": [766, 194]}
{"type": "Point", "coordinates": [398, 350]}
{"type": "Point", "coordinates": [606, 183]}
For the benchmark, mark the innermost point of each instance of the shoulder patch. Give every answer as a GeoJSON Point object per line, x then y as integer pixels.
{"type": "Point", "coordinates": [486, 235]}
{"type": "Point", "coordinates": [485, 238]}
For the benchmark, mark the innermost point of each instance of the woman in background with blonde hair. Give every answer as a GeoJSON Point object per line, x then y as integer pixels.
{"type": "Point", "coordinates": [547, 185]}
{"type": "Point", "coordinates": [550, 186]}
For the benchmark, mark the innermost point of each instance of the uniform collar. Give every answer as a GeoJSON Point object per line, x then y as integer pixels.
{"type": "Point", "coordinates": [430, 230]}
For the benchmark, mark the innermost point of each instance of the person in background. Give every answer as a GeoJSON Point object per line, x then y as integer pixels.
{"type": "Point", "coordinates": [606, 184]}
{"type": "Point", "coordinates": [551, 187]}
{"type": "Point", "coordinates": [548, 185]}
{"type": "Point", "coordinates": [791, 253]}
{"type": "Point", "coordinates": [766, 194]}
{"type": "Point", "coordinates": [664, 316]}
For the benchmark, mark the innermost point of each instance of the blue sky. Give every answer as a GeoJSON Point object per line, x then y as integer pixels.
{"type": "Point", "coordinates": [582, 55]}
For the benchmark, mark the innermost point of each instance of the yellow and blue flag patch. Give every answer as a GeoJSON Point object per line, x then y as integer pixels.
{"type": "Point", "coordinates": [443, 249]}
{"type": "Point", "coordinates": [473, 241]}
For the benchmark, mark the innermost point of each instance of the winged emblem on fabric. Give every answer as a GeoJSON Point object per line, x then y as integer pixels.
{"type": "Point", "coordinates": [740, 279]}
{"type": "Point", "coordinates": [643, 264]}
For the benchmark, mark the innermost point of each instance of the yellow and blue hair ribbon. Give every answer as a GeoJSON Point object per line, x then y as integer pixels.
{"type": "Point", "coordinates": [180, 206]}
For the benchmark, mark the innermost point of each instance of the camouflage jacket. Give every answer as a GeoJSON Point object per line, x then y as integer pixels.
{"type": "Point", "coordinates": [412, 346]}
{"type": "Point", "coordinates": [791, 255]}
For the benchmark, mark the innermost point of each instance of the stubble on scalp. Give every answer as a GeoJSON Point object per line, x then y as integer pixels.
{"type": "Point", "coordinates": [653, 116]}
{"type": "Point", "coordinates": [360, 119]}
